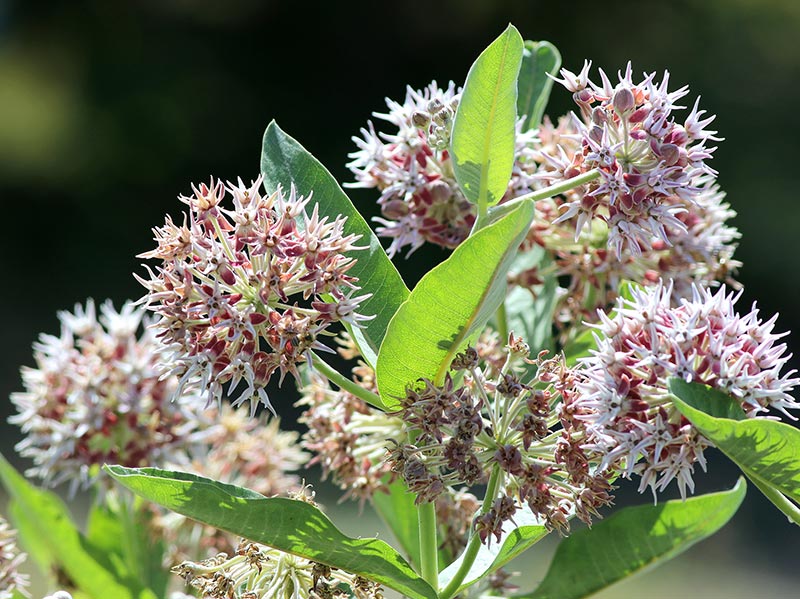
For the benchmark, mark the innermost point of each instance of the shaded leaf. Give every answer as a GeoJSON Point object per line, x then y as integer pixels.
{"type": "Point", "coordinates": [449, 305]}
{"type": "Point", "coordinates": [482, 142]}
{"type": "Point", "coordinates": [46, 530]}
{"type": "Point", "coordinates": [530, 312]}
{"type": "Point", "coordinates": [284, 162]}
{"type": "Point", "coordinates": [632, 540]}
{"type": "Point", "coordinates": [398, 511]}
{"type": "Point", "coordinates": [290, 525]}
{"type": "Point", "coordinates": [538, 59]}
{"type": "Point", "coordinates": [767, 451]}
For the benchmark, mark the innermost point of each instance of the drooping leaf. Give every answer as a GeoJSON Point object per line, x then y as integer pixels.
{"type": "Point", "coordinates": [449, 305]}
{"type": "Point", "coordinates": [46, 530]}
{"type": "Point", "coordinates": [482, 142]}
{"type": "Point", "coordinates": [767, 451]}
{"type": "Point", "coordinates": [530, 312]}
{"type": "Point", "coordinates": [632, 540]}
{"type": "Point", "coordinates": [516, 538]}
{"type": "Point", "coordinates": [538, 59]}
{"type": "Point", "coordinates": [284, 162]}
{"type": "Point", "coordinates": [290, 525]}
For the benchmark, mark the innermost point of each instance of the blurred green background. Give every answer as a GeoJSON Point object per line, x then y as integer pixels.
{"type": "Point", "coordinates": [108, 110]}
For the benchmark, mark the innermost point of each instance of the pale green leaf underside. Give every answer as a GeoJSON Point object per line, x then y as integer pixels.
{"type": "Point", "coordinates": [538, 59]}
{"type": "Point", "coordinates": [448, 306]}
{"type": "Point", "coordinates": [632, 540]}
{"type": "Point", "coordinates": [767, 451]}
{"type": "Point", "coordinates": [289, 525]}
{"type": "Point", "coordinates": [285, 162]}
{"type": "Point", "coordinates": [482, 143]}
{"type": "Point", "coordinates": [516, 538]}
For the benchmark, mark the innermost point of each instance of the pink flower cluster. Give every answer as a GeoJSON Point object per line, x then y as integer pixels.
{"type": "Point", "coordinates": [247, 289]}
{"type": "Point", "coordinates": [621, 398]}
{"type": "Point", "coordinates": [420, 199]}
{"type": "Point", "coordinates": [648, 160]}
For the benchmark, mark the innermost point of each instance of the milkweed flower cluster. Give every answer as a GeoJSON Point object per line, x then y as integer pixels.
{"type": "Point", "coordinates": [621, 395]}
{"type": "Point", "coordinates": [97, 396]}
{"type": "Point", "coordinates": [247, 289]}
{"type": "Point", "coordinates": [646, 158]}
{"type": "Point", "coordinates": [699, 252]}
{"type": "Point", "coordinates": [12, 582]}
{"type": "Point", "coordinates": [259, 572]}
{"type": "Point", "coordinates": [350, 440]}
{"type": "Point", "coordinates": [495, 421]}
{"type": "Point", "coordinates": [410, 165]}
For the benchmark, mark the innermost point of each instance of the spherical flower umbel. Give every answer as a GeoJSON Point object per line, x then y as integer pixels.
{"type": "Point", "coordinates": [621, 395]}
{"type": "Point", "coordinates": [97, 396]}
{"type": "Point", "coordinates": [646, 158]}
{"type": "Point", "coordinates": [12, 582]}
{"type": "Point", "coordinates": [410, 165]}
{"type": "Point", "coordinates": [247, 289]}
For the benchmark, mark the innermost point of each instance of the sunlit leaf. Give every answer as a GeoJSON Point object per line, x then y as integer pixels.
{"type": "Point", "coordinates": [449, 305]}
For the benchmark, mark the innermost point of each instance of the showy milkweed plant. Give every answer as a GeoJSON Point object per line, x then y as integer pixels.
{"type": "Point", "coordinates": [584, 328]}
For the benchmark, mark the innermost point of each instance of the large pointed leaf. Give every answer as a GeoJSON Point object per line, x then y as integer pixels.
{"type": "Point", "coordinates": [633, 540]}
{"type": "Point", "coordinates": [293, 526]}
{"type": "Point", "coordinates": [285, 162]}
{"type": "Point", "coordinates": [449, 305]}
{"type": "Point", "coordinates": [525, 531]}
{"type": "Point", "coordinates": [482, 144]}
{"type": "Point", "coordinates": [44, 524]}
{"type": "Point", "coordinates": [767, 451]}
{"type": "Point", "coordinates": [538, 59]}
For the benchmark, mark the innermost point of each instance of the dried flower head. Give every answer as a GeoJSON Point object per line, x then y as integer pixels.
{"type": "Point", "coordinates": [410, 165]}
{"type": "Point", "coordinates": [646, 158]}
{"type": "Point", "coordinates": [621, 395]}
{"type": "Point", "coordinates": [11, 581]}
{"type": "Point", "coordinates": [259, 572]}
{"type": "Point", "coordinates": [505, 421]}
{"type": "Point", "coordinates": [248, 289]}
{"type": "Point", "coordinates": [97, 396]}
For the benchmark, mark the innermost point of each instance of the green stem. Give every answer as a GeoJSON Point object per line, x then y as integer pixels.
{"type": "Point", "coordinates": [542, 194]}
{"type": "Point", "coordinates": [474, 544]}
{"type": "Point", "coordinates": [345, 384]}
{"type": "Point", "coordinates": [428, 544]}
{"type": "Point", "coordinates": [502, 322]}
{"type": "Point", "coordinates": [789, 509]}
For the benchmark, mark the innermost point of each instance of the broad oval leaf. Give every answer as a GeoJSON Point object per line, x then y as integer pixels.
{"type": "Point", "coordinates": [482, 143]}
{"type": "Point", "coordinates": [538, 59]}
{"type": "Point", "coordinates": [449, 305]}
{"type": "Point", "coordinates": [516, 538]}
{"type": "Point", "coordinates": [767, 451]}
{"type": "Point", "coordinates": [292, 526]}
{"type": "Point", "coordinates": [284, 162]}
{"type": "Point", "coordinates": [632, 540]}
{"type": "Point", "coordinates": [45, 528]}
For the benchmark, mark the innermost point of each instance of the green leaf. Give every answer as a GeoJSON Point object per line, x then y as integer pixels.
{"type": "Point", "coordinates": [530, 312]}
{"type": "Point", "coordinates": [398, 511]}
{"type": "Point", "coordinates": [46, 530]}
{"type": "Point", "coordinates": [515, 540]}
{"type": "Point", "coordinates": [482, 143]}
{"type": "Point", "coordinates": [292, 526]}
{"type": "Point", "coordinates": [766, 450]}
{"type": "Point", "coordinates": [538, 59]}
{"type": "Point", "coordinates": [633, 540]}
{"type": "Point", "coordinates": [449, 305]}
{"type": "Point", "coordinates": [284, 162]}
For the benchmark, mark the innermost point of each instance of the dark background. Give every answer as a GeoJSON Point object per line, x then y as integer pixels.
{"type": "Point", "coordinates": [108, 110]}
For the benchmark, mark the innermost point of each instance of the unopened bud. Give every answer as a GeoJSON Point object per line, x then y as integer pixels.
{"type": "Point", "coordinates": [624, 101]}
{"type": "Point", "coordinates": [420, 119]}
